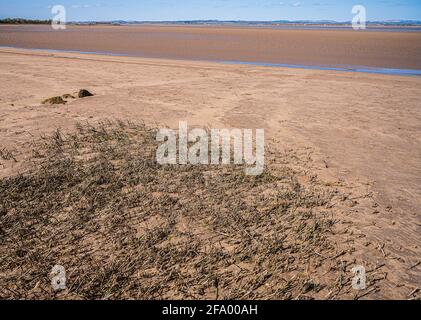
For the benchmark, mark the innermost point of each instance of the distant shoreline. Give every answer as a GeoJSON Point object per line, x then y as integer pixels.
{"type": "Point", "coordinates": [286, 26]}
{"type": "Point", "coordinates": [291, 26]}
{"type": "Point", "coordinates": [280, 23]}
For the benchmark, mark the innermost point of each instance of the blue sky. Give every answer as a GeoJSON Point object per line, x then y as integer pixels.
{"type": "Point", "coordinates": [82, 10]}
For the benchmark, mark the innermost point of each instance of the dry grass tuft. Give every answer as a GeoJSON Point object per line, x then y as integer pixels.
{"type": "Point", "coordinates": [123, 226]}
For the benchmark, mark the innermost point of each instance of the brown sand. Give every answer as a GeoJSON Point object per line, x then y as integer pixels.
{"type": "Point", "coordinates": [307, 47]}
{"type": "Point", "coordinates": [361, 129]}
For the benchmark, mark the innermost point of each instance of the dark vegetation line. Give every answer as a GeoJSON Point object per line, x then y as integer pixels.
{"type": "Point", "coordinates": [23, 21]}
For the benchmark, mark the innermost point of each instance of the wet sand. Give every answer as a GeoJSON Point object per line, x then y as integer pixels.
{"type": "Point", "coordinates": [398, 50]}
{"type": "Point", "coordinates": [362, 131]}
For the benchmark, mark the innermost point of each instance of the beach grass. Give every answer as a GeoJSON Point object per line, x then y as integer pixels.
{"type": "Point", "coordinates": [96, 202]}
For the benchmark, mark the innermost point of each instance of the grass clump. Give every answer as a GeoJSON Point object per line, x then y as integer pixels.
{"type": "Point", "coordinates": [96, 202]}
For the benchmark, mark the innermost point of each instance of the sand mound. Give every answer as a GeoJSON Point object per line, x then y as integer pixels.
{"type": "Point", "coordinates": [96, 202]}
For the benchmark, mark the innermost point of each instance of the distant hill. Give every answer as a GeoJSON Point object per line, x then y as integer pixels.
{"type": "Point", "coordinates": [400, 23]}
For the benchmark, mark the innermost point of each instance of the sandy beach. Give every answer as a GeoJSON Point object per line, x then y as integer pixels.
{"type": "Point", "coordinates": [361, 131]}
{"type": "Point", "coordinates": [344, 48]}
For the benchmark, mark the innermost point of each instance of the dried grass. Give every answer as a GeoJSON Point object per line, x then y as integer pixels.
{"type": "Point", "coordinates": [123, 226]}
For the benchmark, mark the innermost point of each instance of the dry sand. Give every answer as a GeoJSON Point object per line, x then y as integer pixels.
{"type": "Point", "coordinates": [362, 131]}
{"type": "Point", "coordinates": [398, 50]}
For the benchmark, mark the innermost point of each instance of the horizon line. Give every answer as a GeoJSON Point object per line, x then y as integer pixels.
{"type": "Point", "coordinates": [223, 21]}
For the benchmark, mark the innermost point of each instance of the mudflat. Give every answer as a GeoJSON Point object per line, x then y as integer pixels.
{"type": "Point", "coordinates": [399, 50]}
